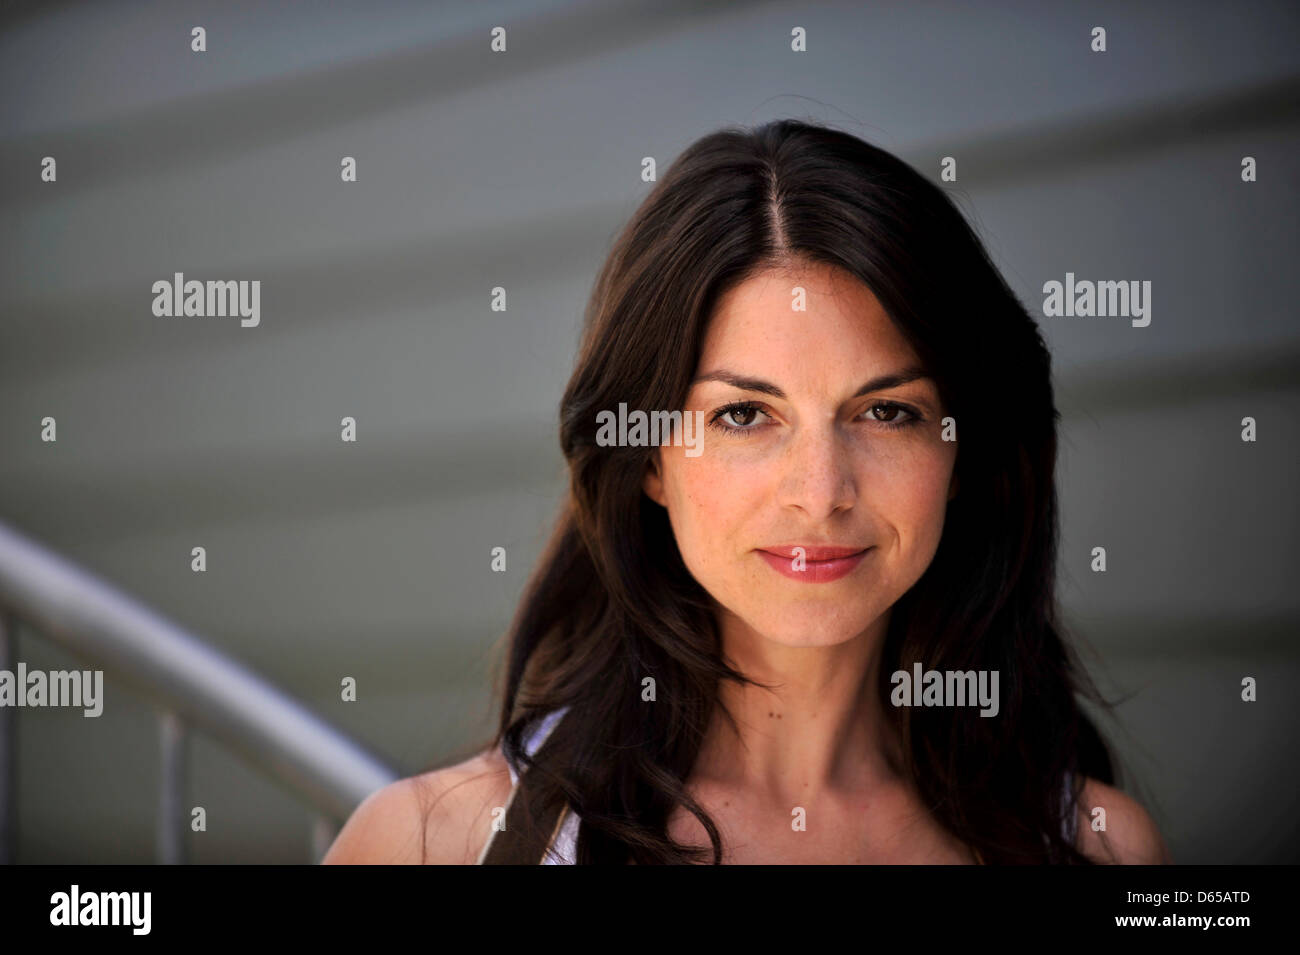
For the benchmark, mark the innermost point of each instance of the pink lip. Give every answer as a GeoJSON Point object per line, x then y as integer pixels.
{"type": "Point", "coordinates": [820, 564]}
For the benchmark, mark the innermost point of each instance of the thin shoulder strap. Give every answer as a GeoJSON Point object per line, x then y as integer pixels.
{"type": "Point", "coordinates": [519, 843]}
{"type": "Point", "coordinates": [1070, 826]}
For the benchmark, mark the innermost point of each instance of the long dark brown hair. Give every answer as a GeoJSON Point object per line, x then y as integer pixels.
{"type": "Point", "coordinates": [611, 601]}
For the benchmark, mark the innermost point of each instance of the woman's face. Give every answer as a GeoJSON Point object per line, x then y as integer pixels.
{"type": "Point", "coordinates": [797, 454]}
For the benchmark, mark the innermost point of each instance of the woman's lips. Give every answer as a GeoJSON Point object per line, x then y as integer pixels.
{"type": "Point", "coordinates": [820, 564]}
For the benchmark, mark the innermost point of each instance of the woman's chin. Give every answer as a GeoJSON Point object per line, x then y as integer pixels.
{"type": "Point", "coordinates": [813, 633]}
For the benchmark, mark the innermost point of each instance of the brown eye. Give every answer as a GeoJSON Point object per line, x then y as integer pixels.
{"type": "Point", "coordinates": [891, 415]}
{"type": "Point", "coordinates": [738, 417]}
{"type": "Point", "coordinates": [742, 416]}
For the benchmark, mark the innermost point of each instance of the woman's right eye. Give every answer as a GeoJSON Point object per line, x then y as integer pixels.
{"type": "Point", "coordinates": [738, 416]}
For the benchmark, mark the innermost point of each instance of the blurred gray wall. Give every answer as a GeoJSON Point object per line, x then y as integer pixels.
{"type": "Point", "coordinates": [476, 170]}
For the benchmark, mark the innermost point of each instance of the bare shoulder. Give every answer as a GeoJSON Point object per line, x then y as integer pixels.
{"type": "Point", "coordinates": [1130, 836]}
{"type": "Point", "coordinates": [442, 817]}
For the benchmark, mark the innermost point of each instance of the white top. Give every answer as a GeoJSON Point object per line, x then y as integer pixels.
{"type": "Point", "coordinates": [563, 850]}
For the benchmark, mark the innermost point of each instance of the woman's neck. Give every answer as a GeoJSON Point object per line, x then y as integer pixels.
{"type": "Point", "coordinates": [820, 729]}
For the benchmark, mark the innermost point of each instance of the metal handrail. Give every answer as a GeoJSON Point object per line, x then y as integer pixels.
{"type": "Point", "coordinates": [192, 683]}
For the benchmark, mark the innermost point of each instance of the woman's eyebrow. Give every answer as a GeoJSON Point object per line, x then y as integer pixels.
{"type": "Point", "coordinates": [890, 380]}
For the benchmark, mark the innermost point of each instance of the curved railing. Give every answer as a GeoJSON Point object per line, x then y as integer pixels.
{"type": "Point", "coordinates": [193, 685]}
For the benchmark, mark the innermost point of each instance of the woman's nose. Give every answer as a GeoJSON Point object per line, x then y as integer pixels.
{"type": "Point", "coordinates": [818, 476]}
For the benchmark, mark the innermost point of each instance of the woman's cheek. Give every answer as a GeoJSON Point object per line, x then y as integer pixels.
{"type": "Point", "coordinates": [710, 504]}
{"type": "Point", "coordinates": [929, 504]}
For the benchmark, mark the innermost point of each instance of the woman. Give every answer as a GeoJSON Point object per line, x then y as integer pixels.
{"type": "Point", "coordinates": [745, 643]}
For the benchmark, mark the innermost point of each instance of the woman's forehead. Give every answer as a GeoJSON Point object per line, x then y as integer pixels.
{"type": "Point", "coordinates": [801, 324]}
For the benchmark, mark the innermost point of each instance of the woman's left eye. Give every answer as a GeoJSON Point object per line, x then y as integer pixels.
{"type": "Point", "coordinates": [898, 416]}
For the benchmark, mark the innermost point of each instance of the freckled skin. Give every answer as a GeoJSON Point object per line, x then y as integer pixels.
{"type": "Point", "coordinates": [819, 465]}
{"type": "Point", "coordinates": [816, 466]}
